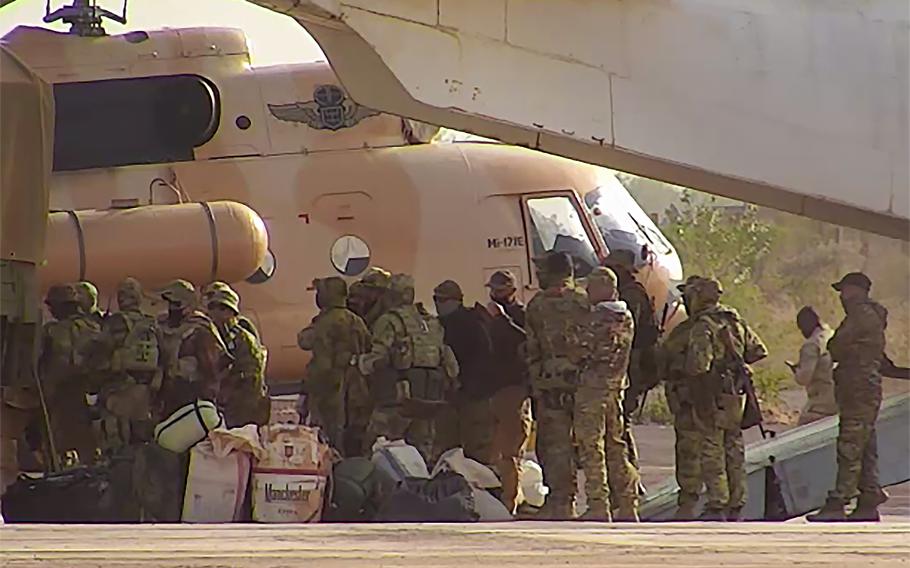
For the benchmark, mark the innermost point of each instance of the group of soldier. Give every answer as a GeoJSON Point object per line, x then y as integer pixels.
{"type": "Point", "coordinates": [108, 378]}
{"type": "Point", "coordinates": [578, 359]}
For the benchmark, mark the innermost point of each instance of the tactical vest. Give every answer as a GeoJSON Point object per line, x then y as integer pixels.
{"type": "Point", "coordinates": [140, 349]}
{"type": "Point", "coordinates": [172, 338]}
{"type": "Point", "coordinates": [422, 343]}
{"type": "Point", "coordinates": [258, 354]}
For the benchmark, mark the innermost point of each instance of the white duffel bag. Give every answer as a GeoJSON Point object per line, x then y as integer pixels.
{"type": "Point", "coordinates": [188, 426]}
{"type": "Point", "coordinates": [215, 485]}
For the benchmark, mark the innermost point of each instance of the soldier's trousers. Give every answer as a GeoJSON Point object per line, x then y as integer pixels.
{"type": "Point", "coordinates": [723, 466]}
{"type": "Point", "coordinates": [358, 409]}
{"type": "Point", "coordinates": [328, 412]}
{"type": "Point", "coordinates": [859, 399]}
{"type": "Point", "coordinates": [622, 475]}
{"type": "Point", "coordinates": [555, 411]}
{"type": "Point", "coordinates": [388, 421]}
{"type": "Point", "coordinates": [687, 448]}
{"type": "Point", "coordinates": [511, 430]}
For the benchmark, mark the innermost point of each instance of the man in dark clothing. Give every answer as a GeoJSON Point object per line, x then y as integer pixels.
{"type": "Point", "coordinates": [503, 292]}
{"type": "Point", "coordinates": [469, 338]}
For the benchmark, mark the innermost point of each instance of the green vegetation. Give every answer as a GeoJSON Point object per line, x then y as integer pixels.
{"type": "Point", "coordinates": [771, 264]}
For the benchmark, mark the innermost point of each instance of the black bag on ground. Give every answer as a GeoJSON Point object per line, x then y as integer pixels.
{"type": "Point", "coordinates": [357, 490]}
{"type": "Point", "coordinates": [78, 495]}
{"type": "Point", "coordinates": [159, 478]}
{"type": "Point", "coordinates": [446, 498]}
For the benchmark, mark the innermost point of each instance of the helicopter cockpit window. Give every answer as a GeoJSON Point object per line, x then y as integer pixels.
{"type": "Point", "coordinates": [119, 122]}
{"type": "Point", "coordinates": [350, 255]}
{"type": "Point", "coordinates": [556, 226]}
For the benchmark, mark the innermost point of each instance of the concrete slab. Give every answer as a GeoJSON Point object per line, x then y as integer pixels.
{"type": "Point", "coordinates": [525, 544]}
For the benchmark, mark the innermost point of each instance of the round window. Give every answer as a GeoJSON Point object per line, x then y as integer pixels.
{"type": "Point", "coordinates": [265, 271]}
{"type": "Point", "coordinates": [350, 255]}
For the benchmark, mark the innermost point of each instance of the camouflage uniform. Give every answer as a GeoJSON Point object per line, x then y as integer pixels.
{"type": "Point", "coordinates": [555, 321]}
{"type": "Point", "coordinates": [63, 374]}
{"type": "Point", "coordinates": [642, 372]}
{"type": "Point", "coordinates": [244, 395]}
{"type": "Point", "coordinates": [336, 337]}
{"type": "Point", "coordinates": [411, 370]}
{"type": "Point", "coordinates": [671, 357]}
{"type": "Point", "coordinates": [717, 404]}
{"type": "Point", "coordinates": [599, 428]}
{"type": "Point", "coordinates": [243, 321]}
{"type": "Point", "coordinates": [193, 357]}
{"type": "Point", "coordinates": [127, 360]}
{"type": "Point", "coordinates": [857, 347]}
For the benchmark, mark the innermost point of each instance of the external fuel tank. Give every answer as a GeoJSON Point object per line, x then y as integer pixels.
{"type": "Point", "coordinates": [199, 242]}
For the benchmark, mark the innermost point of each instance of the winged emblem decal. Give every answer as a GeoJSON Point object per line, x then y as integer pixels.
{"type": "Point", "coordinates": [330, 109]}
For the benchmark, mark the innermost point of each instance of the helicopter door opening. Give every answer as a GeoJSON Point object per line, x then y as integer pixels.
{"type": "Point", "coordinates": [554, 222]}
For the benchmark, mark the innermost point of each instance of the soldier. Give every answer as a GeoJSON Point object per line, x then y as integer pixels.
{"type": "Point", "coordinates": [87, 293]}
{"type": "Point", "coordinates": [671, 359]}
{"type": "Point", "coordinates": [857, 346]}
{"type": "Point", "coordinates": [718, 339]}
{"type": "Point", "coordinates": [511, 405]}
{"type": "Point", "coordinates": [599, 421]}
{"type": "Point", "coordinates": [815, 367]}
{"type": "Point", "coordinates": [370, 295]}
{"type": "Point", "coordinates": [244, 322]}
{"type": "Point", "coordinates": [555, 319]}
{"type": "Point", "coordinates": [503, 292]}
{"type": "Point", "coordinates": [63, 375]}
{"type": "Point", "coordinates": [642, 372]}
{"type": "Point", "coordinates": [127, 359]}
{"type": "Point", "coordinates": [193, 356]}
{"type": "Point", "coordinates": [467, 335]}
{"type": "Point", "coordinates": [336, 337]}
{"type": "Point", "coordinates": [244, 395]}
{"type": "Point", "coordinates": [411, 371]}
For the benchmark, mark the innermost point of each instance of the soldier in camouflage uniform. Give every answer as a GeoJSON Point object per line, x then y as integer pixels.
{"type": "Point", "coordinates": [336, 337]}
{"type": "Point", "coordinates": [717, 400]}
{"type": "Point", "coordinates": [555, 320]}
{"type": "Point", "coordinates": [244, 395]}
{"type": "Point", "coordinates": [366, 297]}
{"type": "Point", "coordinates": [87, 293]}
{"type": "Point", "coordinates": [858, 346]}
{"type": "Point", "coordinates": [598, 414]}
{"type": "Point", "coordinates": [411, 371]}
{"type": "Point", "coordinates": [642, 372]}
{"type": "Point", "coordinates": [126, 360]}
{"type": "Point", "coordinates": [243, 321]}
{"type": "Point", "coordinates": [193, 357]}
{"type": "Point", "coordinates": [671, 359]}
{"type": "Point", "coordinates": [63, 373]}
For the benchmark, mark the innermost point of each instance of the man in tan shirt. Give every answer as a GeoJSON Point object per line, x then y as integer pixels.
{"type": "Point", "coordinates": [814, 371]}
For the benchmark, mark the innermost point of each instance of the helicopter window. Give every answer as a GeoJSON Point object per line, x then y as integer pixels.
{"type": "Point", "coordinates": [119, 122]}
{"type": "Point", "coordinates": [556, 226]}
{"type": "Point", "coordinates": [350, 255]}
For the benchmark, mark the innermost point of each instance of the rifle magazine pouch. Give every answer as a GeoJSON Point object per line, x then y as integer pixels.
{"type": "Point", "coordinates": [730, 409]}
{"type": "Point", "coordinates": [188, 426]}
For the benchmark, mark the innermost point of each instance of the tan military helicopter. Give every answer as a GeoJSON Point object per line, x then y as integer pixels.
{"type": "Point", "coordinates": [173, 157]}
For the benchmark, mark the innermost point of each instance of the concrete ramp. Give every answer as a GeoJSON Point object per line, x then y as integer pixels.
{"type": "Point", "coordinates": [791, 474]}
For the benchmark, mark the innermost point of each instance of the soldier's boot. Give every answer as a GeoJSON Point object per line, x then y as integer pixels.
{"type": "Point", "coordinates": [735, 514]}
{"type": "Point", "coordinates": [713, 514]}
{"type": "Point", "coordinates": [626, 514]}
{"type": "Point", "coordinates": [832, 512]}
{"type": "Point", "coordinates": [557, 510]}
{"type": "Point", "coordinates": [598, 511]}
{"type": "Point", "coordinates": [685, 512]}
{"type": "Point", "coordinates": [866, 510]}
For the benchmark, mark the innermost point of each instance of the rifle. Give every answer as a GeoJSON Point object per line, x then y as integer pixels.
{"type": "Point", "coordinates": [743, 385]}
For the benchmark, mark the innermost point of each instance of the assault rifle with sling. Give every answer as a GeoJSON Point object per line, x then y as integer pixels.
{"type": "Point", "coordinates": [741, 375]}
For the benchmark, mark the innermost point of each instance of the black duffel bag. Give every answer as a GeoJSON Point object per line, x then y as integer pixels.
{"type": "Point", "coordinates": [78, 495]}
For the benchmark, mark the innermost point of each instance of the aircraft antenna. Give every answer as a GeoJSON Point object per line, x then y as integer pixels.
{"type": "Point", "coordinates": [86, 19]}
